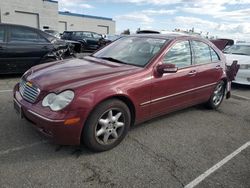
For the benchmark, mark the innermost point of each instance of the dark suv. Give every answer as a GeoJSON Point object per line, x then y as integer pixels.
{"type": "Point", "coordinates": [89, 40]}
{"type": "Point", "coordinates": [22, 47]}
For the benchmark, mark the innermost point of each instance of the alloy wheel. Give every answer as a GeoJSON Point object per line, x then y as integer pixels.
{"type": "Point", "coordinates": [109, 126]}
{"type": "Point", "coordinates": [218, 94]}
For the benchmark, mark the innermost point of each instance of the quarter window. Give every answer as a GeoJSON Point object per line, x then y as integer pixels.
{"type": "Point", "coordinates": [201, 52]}
{"type": "Point", "coordinates": [179, 54]}
{"type": "Point", "coordinates": [20, 34]}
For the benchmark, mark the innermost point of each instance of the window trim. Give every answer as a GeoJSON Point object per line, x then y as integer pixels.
{"type": "Point", "coordinates": [219, 59]}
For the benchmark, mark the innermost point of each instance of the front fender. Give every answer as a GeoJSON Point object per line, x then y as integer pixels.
{"type": "Point", "coordinates": [89, 100]}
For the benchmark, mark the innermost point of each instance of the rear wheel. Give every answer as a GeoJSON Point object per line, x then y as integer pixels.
{"type": "Point", "coordinates": [107, 125]}
{"type": "Point", "coordinates": [217, 96]}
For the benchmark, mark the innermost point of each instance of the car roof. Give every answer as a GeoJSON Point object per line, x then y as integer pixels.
{"type": "Point", "coordinates": [7, 24]}
{"type": "Point", "coordinates": [171, 35]}
{"type": "Point", "coordinates": [79, 31]}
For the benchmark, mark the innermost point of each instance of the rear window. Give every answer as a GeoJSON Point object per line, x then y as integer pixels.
{"type": "Point", "coordinates": [201, 52]}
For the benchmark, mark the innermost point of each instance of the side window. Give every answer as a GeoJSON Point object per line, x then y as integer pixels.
{"type": "Point", "coordinates": [214, 55]}
{"type": "Point", "coordinates": [19, 34]}
{"type": "Point", "coordinates": [78, 34]}
{"type": "Point", "coordinates": [96, 36]}
{"type": "Point", "coordinates": [87, 35]}
{"type": "Point", "coordinates": [1, 34]}
{"type": "Point", "coordinates": [179, 54]}
{"type": "Point", "coordinates": [201, 52]}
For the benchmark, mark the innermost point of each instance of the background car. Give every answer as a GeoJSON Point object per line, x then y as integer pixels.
{"type": "Point", "coordinates": [147, 32]}
{"type": "Point", "coordinates": [53, 32]}
{"type": "Point", "coordinates": [241, 53]}
{"type": "Point", "coordinates": [22, 47]}
{"type": "Point", "coordinates": [89, 40]}
{"type": "Point", "coordinates": [107, 39]}
{"type": "Point", "coordinates": [96, 99]}
{"type": "Point", "coordinates": [222, 43]}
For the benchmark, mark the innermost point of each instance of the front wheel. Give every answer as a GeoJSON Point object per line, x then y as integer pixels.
{"type": "Point", "coordinates": [107, 125]}
{"type": "Point", "coordinates": [217, 96]}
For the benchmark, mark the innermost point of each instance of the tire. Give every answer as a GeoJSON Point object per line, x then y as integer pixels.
{"type": "Point", "coordinates": [217, 96]}
{"type": "Point", "coordinates": [107, 125]}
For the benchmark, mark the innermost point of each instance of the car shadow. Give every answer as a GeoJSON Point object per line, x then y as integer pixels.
{"type": "Point", "coordinates": [240, 86]}
{"type": "Point", "coordinates": [10, 76]}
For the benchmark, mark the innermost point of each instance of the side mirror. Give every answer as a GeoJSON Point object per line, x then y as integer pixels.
{"type": "Point", "coordinates": [166, 68]}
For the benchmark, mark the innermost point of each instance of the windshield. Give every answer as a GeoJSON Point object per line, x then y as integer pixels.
{"type": "Point", "coordinates": [136, 51]}
{"type": "Point", "coordinates": [238, 49]}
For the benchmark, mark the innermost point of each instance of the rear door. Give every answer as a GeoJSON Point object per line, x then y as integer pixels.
{"type": "Point", "coordinates": [208, 66]}
{"type": "Point", "coordinates": [25, 48]}
{"type": "Point", "coordinates": [3, 56]}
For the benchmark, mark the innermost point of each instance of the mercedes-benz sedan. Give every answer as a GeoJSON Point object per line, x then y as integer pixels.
{"type": "Point", "coordinates": [96, 99]}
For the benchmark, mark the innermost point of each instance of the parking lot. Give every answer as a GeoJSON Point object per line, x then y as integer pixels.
{"type": "Point", "coordinates": [171, 151]}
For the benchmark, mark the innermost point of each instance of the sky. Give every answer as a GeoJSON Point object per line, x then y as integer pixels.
{"type": "Point", "coordinates": [220, 18]}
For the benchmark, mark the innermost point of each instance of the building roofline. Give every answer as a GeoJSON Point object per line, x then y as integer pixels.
{"type": "Point", "coordinates": [84, 16]}
{"type": "Point", "coordinates": [51, 1]}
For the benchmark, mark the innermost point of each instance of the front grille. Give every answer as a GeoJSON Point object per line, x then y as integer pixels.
{"type": "Point", "coordinates": [28, 91]}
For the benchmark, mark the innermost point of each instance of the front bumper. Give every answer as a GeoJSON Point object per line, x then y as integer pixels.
{"type": "Point", "coordinates": [51, 124]}
{"type": "Point", "coordinates": [242, 77]}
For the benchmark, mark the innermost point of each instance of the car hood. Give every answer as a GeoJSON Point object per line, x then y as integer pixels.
{"type": "Point", "coordinates": [73, 73]}
{"type": "Point", "coordinates": [242, 59]}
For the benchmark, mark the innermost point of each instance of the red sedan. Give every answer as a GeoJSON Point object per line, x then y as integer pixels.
{"type": "Point", "coordinates": [96, 99]}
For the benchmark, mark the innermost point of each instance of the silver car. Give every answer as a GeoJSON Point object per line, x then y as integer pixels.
{"type": "Point", "coordinates": [241, 53]}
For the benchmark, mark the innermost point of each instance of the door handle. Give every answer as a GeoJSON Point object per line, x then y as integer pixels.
{"type": "Point", "coordinates": [192, 73]}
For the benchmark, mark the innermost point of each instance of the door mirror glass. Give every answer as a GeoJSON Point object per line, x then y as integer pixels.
{"type": "Point", "coordinates": [167, 68]}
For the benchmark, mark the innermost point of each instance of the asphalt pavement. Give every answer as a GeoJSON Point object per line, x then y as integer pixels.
{"type": "Point", "coordinates": [194, 147]}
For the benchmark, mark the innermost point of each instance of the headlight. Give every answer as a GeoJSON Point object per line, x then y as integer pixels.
{"type": "Point", "coordinates": [244, 66]}
{"type": "Point", "coordinates": [58, 102]}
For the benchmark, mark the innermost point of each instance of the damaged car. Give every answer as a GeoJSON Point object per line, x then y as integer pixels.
{"type": "Point", "coordinates": [22, 47]}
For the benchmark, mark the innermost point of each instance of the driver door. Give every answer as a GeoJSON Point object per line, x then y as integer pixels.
{"type": "Point", "coordinates": [172, 91]}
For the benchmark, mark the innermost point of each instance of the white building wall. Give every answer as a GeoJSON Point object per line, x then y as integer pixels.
{"type": "Point", "coordinates": [45, 12]}
{"type": "Point", "coordinates": [76, 22]}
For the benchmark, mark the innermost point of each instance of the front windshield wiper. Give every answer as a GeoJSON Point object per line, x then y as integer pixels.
{"type": "Point", "coordinates": [113, 60]}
